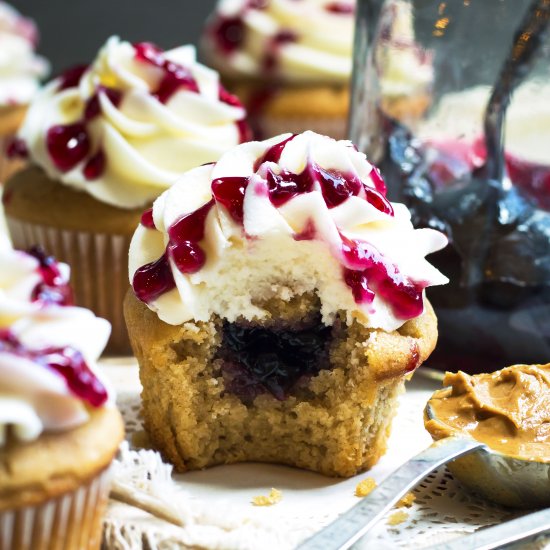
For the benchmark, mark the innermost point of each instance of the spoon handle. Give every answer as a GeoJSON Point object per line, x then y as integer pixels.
{"type": "Point", "coordinates": [514, 530]}
{"type": "Point", "coordinates": [353, 524]}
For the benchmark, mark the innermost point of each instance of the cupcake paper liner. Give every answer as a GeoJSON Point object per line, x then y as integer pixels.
{"type": "Point", "coordinates": [99, 270]}
{"type": "Point", "coordinates": [70, 522]}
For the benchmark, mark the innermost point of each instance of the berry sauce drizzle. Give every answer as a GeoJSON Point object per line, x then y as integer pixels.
{"type": "Point", "coordinates": [69, 144]}
{"type": "Point", "coordinates": [341, 8]}
{"type": "Point", "coordinates": [175, 76]}
{"type": "Point", "coordinates": [257, 360]}
{"type": "Point", "coordinates": [71, 77]}
{"type": "Point", "coordinates": [66, 362]}
{"type": "Point", "coordinates": [17, 148]}
{"type": "Point", "coordinates": [53, 288]}
{"type": "Point", "coordinates": [365, 270]}
{"type": "Point", "coordinates": [154, 279]}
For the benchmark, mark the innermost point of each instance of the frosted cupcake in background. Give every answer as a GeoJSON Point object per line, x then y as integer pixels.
{"type": "Point", "coordinates": [20, 73]}
{"type": "Point", "coordinates": [59, 429]}
{"type": "Point", "coordinates": [289, 62]}
{"type": "Point", "coordinates": [103, 142]}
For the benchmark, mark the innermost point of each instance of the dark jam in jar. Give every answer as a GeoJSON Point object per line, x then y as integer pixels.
{"type": "Point", "coordinates": [496, 309]}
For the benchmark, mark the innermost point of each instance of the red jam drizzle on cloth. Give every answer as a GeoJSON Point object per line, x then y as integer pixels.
{"type": "Point", "coordinates": [365, 270]}
{"type": "Point", "coordinates": [65, 361]}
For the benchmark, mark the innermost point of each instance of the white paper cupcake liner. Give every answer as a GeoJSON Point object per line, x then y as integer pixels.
{"type": "Point", "coordinates": [99, 269]}
{"type": "Point", "coordinates": [70, 522]}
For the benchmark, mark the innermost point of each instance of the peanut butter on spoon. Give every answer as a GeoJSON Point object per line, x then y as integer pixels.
{"type": "Point", "coordinates": [508, 410]}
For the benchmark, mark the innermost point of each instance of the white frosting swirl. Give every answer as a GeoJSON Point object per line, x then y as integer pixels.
{"type": "Point", "coordinates": [297, 41]}
{"type": "Point", "coordinates": [20, 68]}
{"type": "Point", "coordinates": [147, 143]}
{"type": "Point", "coordinates": [269, 254]}
{"type": "Point", "coordinates": [33, 397]}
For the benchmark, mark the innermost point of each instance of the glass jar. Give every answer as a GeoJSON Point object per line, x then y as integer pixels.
{"type": "Point", "coordinates": [423, 75]}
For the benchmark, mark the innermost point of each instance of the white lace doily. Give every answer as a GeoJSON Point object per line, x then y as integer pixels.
{"type": "Point", "coordinates": [216, 503]}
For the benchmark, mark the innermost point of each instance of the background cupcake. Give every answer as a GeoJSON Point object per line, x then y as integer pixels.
{"type": "Point", "coordinates": [104, 141]}
{"type": "Point", "coordinates": [59, 429]}
{"type": "Point", "coordinates": [279, 307]}
{"type": "Point", "coordinates": [20, 72]}
{"type": "Point", "coordinates": [289, 62]}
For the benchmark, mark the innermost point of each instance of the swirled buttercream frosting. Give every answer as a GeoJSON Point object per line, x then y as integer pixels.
{"type": "Point", "coordinates": [20, 68]}
{"type": "Point", "coordinates": [282, 217]}
{"type": "Point", "coordinates": [126, 127]}
{"type": "Point", "coordinates": [299, 41]}
{"type": "Point", "coordinates": [47, 349]}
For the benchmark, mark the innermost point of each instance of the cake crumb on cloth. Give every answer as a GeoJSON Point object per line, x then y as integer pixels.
{"type": "Point", "coordinates": [407, 501]}
{"type": "Point", "coordinates": [365, 487]}
{"type": "Point", "coordinates": [398, 517]}
{"type": "Point", "coordinates": [262, 500]}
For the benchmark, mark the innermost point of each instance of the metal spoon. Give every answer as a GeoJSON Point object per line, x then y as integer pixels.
{"type": "Point", "coordinates": [357, 521]}
{"type": "Point", "coordinates": [498, 477]}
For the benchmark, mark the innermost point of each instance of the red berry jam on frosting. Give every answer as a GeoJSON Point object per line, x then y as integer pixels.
{"type": "Point", "coordinates": [125, 127]}
{"type": "Point", "coordinates": [306, 192]}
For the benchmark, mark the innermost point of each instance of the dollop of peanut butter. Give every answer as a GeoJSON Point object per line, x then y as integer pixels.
{"type": "Point", "coordinates": [508, 410]}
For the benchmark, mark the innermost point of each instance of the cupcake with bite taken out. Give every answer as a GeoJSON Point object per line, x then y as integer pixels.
{"type": "Point", "coordinates": [103, 142]}
{"type": "Point", "coordinates": [277, 308]}
{"type": "Point", "coordinates": [59, 429]}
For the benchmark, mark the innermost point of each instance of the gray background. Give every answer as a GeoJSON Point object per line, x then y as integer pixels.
{"type": "Point", "coordinates": [72, 31]}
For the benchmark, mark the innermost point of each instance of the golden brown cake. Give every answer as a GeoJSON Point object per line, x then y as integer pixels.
{"type": "Point", "coordinates": [59, 429]}
{"type": "Point", "coordinates": [278, 109]}
{"type": "Point", "coordinates": [335, 423]}
{"type": "Point", "coordinates": [276, 314]}
{"type": "Point", "coordinates": [104, 141]}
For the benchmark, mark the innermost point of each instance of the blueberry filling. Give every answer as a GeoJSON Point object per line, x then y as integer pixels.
{"type": "Point", "coordinates": [259, 360]}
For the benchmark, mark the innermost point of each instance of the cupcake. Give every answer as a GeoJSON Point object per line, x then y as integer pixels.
{"type": "Point", "coordinates": [104, 142]}
{"type": "Point", "coordinates": [20, 72]}
{"type": "Point", "coordinates": [289, 62]}
{"type": "Point", "coordinates": [278, 307]}
{"type": "Point", "coordinates": [59, 429]}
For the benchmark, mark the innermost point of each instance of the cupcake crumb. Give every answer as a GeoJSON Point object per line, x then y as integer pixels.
{"type": "Point", "coordinates": [406, 501]}
{"type": "Point", "coordinates": [262, 500]}
{"type": "Point", "coordinates": [365, 487]}
{"type": "Point", "coordinates": [398, 517]}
